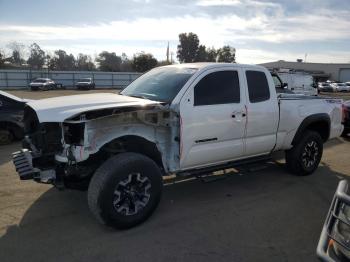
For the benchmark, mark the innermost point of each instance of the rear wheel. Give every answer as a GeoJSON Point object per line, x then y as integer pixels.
{"type": "Point", "coordinates": [306, 154]}
{"type": "Point", "coordinates": [125, 190]}
{"type": "Point", "coordinates": [6, 137]}
{"type": "Point", "coordinates": [345, 132]}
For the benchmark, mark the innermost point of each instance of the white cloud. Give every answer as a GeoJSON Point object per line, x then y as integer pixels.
{"type": "Point", "coordinates": [212, 31]}
{"type": "Point", "coordinates": [218, 2]}
{"type": "Point", "coordinates": [267, 22]}
{"type": "Point", "coordinates": [257, 56]}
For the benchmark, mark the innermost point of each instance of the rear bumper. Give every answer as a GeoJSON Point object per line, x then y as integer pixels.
{"type": "Point", "coordinates": [84, 85]}
{"type": "Point", "coordinates": [23, 161]}
{"type": "Point", "coordinates": [328, 89]}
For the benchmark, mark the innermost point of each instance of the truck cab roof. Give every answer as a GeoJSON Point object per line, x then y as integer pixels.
{"type": "Point", "coordinates": [210, 65]}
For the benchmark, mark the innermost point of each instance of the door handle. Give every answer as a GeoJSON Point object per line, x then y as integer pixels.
{"type": "Point", "coordinates": [234, 114]}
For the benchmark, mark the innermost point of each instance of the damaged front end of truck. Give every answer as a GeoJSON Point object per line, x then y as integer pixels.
{"type": "Point", "coordinates": [67, 153]}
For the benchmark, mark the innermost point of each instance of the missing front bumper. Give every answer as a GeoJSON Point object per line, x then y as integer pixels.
{"type": "Point", "coordinates": [23, 161]}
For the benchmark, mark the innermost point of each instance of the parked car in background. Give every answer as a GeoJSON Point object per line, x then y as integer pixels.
{"type": "Point", "coordinates": [325, 87]}
{"type": "Point", "coordinates": [11, 116]}
{"type": "Point", "coordinates": [346, 117]}
{"type": "Point", "coordinates": [85, 83]}
{"type": "Point", "coordinates": [42, 84]}
{"type": "Point", "coordinates": [340, 87]}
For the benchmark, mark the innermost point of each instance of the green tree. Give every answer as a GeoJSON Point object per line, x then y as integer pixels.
{"type": "Point", "coordinates": [37, 56]}
{"type": "Point", "coordinates": [17, 53]}
{"type": "Point", "coordinates": [62, 61]}
{"type": "Point", "coordinates": [227, 54]}
{"type": "Point", "coordinates": [109, 62]}
{"type": "Point", "coordinates": [143, 62]}
{"type": "Point", "coordinates": [188, 48]}
{"type": "Point", "coordinates": [201, 55]}
{"type": "Point", "coordinates": [212, 53]}
{"type": "Point", "coordinates": [84, 62]}
{"type": "Point", "coordinates": [126, 65]}
{"type": "Point", "coordinates": [2, 59]}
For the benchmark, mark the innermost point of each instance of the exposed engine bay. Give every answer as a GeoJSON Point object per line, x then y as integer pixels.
{"type": "Point", "coordinates": [65, 153]}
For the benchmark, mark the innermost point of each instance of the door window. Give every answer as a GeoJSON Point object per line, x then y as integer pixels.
{"type": "Point", "coordinates": [217, 88]}
{"type": "Point", "coordinates": [258, 86]}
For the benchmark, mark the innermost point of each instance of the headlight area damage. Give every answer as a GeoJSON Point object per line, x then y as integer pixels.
{"type": "Point", "coordinates": [67, 153]}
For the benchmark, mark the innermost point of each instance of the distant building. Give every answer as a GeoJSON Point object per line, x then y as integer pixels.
{"type": "Point", "coordinates": [320, 71]}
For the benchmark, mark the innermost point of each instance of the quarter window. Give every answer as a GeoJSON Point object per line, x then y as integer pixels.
{"type": "Point", "coordinates": [258, 86]}
{"type": "Point", "coordinates": [217, 88]}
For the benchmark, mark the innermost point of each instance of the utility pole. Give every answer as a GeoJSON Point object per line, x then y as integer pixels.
{"type": "Point", "coordinates": [171, 59]}
{"type": "Point", "coordinates": [167, 53]}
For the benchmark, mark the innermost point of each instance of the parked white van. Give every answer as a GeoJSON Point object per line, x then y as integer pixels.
{"type": "Point", "coordinates": [298, 82]}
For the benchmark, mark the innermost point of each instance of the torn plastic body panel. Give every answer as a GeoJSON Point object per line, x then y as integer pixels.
{"type": "Point", "coordinates": [92, 131]}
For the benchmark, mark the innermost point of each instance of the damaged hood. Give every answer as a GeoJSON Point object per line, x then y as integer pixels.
{"type": "Point", "coordinates": [58, 109]}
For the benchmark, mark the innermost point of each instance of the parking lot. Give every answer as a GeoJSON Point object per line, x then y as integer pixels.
{"type": "Point", "coordinates": [259, 213]}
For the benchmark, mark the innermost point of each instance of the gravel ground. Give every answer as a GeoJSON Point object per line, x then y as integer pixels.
{"type": "Point", "coordinates": [258, 214]}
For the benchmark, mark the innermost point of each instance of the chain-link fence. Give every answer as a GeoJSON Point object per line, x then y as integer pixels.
{"type": "Point", "coordinates": [20, 79]}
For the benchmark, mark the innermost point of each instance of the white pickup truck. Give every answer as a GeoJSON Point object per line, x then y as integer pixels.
{"type": "Point", "coordinates": [188, 119]}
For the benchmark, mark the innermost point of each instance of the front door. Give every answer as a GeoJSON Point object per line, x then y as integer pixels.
{"type": "Point", "coordinates": [213, 119]}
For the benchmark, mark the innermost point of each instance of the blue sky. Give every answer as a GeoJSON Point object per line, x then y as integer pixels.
{"type": "Point", "coordinates": [261, 31]}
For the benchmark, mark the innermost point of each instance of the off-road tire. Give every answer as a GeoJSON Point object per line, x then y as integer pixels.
{"type": "Point", "coordinates": [101, 191]}
{"type": "Point", "coordinates": [294, 156]}
{"type": "Point", "coordinates": [6, 137]}
{"type": "Point", "coordinates": [345, 132]}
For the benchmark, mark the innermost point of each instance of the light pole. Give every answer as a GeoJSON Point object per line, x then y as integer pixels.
{"type": "Point", "coordinates": [46, 68]}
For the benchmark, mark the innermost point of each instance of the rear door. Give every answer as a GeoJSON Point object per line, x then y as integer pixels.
{"type": "Point", "coordinates": [213, 119]}
{"type": "Point", "coordinates": [262, 113]}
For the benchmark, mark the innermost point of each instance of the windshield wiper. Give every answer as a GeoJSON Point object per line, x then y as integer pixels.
{"type": "Point", "coordinates": [139, 96]}
{"type": "Point", "coordinates": [144, 97]}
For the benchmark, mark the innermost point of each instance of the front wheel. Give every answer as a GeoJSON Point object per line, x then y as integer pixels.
{"type": "Point", "coordinates": [125, 190]}
{"type": "Point", "coordinates": [305, 156]}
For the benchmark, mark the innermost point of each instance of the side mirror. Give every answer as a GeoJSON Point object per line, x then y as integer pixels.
{"type": "Point", "coordinates": [284, 85]}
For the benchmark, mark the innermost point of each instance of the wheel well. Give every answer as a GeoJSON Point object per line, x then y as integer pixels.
{"type": "Point", "coordinates": [16, 130]}
{"type": "Point", "coordinates": [320, 127]}
{"type": "Point", "coordinates": [319, 124]}
{"type": "Point", "coordinates": [134, 144]}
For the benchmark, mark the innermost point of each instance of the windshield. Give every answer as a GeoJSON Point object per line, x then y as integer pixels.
{"type": "Point", "coordinates": [39, 81]}
{"type": "Point", "coordinates": [160, 84]}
